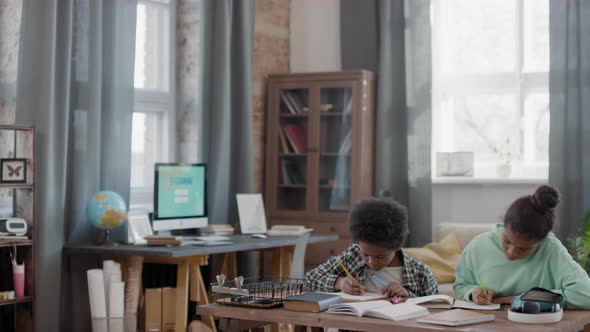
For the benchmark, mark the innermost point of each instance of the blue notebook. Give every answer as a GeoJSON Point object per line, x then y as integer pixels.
{"type": "Point", "coordinates": [311, 302]}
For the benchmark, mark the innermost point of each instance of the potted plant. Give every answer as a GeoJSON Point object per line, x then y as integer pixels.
{"type": "Point", "coordinates": [579, 245]}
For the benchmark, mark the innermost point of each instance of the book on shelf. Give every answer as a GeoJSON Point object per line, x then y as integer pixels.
{"type": "Point", "coordinates": [287, 143]}
{"type": "Point", "coordinates": [293, 103]}
{"type": "Point", "coordinates": [379, 309]}
{"type": "Point", "coordinates": [457, 317]}
{"type": "Point", "coordinates": [297, 136]}
{"type": "Point", "coordinates": [290, 174]}
{"type": "Point", "coordinates": [285, 148]}
{"type": "Point", "coordinates": [442, 301]}
{"type": "Point", "coordinates": [289, 107]}
{"type": "Point", "coordinates": [310, 302]}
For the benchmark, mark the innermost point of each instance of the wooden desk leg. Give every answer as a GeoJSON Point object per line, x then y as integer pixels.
{"type": "Point", "coordinates": [281, 268]}
{"type": "Point", "coordinates": [202, 298]}
{"type": "Point", "coordinates": [281, 262]}
{"type": "Point", "coordinates": [182, 277]}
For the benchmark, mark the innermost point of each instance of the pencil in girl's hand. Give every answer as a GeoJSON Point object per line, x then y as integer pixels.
{"type": "Point", "coordinates": [347, 272]}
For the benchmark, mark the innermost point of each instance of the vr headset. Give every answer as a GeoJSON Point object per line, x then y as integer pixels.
{"type": "Point", "coordinates": [537, 300]}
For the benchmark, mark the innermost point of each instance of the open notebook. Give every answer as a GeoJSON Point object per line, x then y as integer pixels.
{"type": "Point", "coordinates": [457, 317]}
{"type": "Point", "coordinates": [379, 309]}
{"type": "Point", "coordinates": [359, 298]}
{"type": "Point", "coordinates": [447, 302]}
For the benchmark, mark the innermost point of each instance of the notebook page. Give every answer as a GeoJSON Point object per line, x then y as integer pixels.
{"type": "Point", "coordinates": [356, 308]}
{"type": "Point", "coordinates": [473, 306]}
{"type": "Point", "coordinates": [397, 311]}
{"type": "Point", "coordinates": [432, 299]}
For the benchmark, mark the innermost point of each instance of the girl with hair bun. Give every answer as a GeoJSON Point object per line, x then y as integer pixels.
{"type": "Point", "coordinates": [521, 254]}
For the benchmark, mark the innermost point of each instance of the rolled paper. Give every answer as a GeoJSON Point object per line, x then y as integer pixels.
{"type": "Point", "coordinates": [116, 300]}
{"type": "Point", "coordinates": [96, 293]}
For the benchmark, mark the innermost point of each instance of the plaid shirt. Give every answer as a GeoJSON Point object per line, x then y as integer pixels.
{"type": "Point", "coordinates": [417, 278]}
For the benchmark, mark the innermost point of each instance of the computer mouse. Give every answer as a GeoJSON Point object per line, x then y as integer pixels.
{"type": "Point", "coordinates": [258, 236]}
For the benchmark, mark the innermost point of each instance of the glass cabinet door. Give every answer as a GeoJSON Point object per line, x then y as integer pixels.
{"type": "Point", "coordinates": [292, 149]}
{"type": "Point", "coordinates": [335, 134]}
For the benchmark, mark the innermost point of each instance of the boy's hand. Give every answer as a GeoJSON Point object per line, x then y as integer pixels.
{"type": "Point", "coordinates": [478, 297]}
{"type": "Point", "coordinates": [395, 289]}
{"type": "Point", "coordinates": [349, 286]}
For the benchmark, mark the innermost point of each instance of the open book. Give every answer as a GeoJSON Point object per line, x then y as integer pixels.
{"type": "Point", "coordinates": [379, 309]}
{"type": "Point", "coordinates": [447, 302]}
{"type": "Point", "coordinates": [366, 296]}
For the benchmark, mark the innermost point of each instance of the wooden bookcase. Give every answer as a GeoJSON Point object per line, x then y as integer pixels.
{"type": "Point", "coordinates": [18, 200]}
{"type": "Point", "coordinates": [319, 152]}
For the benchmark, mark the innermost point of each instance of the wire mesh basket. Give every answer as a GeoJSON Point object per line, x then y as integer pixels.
{"type": "Point", "coordinates": [255, 292]}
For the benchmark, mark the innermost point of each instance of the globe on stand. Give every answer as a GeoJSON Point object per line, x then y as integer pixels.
{"type": "Point", "coordinates": [106, 210]}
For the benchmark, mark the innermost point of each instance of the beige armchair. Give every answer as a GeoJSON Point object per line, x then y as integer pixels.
{"type": "Point", "coordinates": [465, 232]}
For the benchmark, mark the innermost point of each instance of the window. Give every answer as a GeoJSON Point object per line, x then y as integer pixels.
{"type": "Point", "coordinates": [491, 84]}
{"type": "Point", "coordinates": [153, 113]}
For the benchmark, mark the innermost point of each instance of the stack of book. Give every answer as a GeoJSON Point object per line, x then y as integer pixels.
{"type": "Point", "coordinates": [224, 229]}
{"type": "Point", "coordinates": [288, 230]}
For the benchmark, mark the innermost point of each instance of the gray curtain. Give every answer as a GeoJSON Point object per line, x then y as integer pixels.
{"type": "Point", "coordinates": [224, 113]}
{"type": "Point", "coordinates": [75, 85]}
{"type": "Point", "coordinates": [401, 31]}
{"type": "Point", "coordinates": [569, 102]}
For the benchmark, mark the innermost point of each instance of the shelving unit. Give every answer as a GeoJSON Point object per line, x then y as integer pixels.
{"type": "Point", "coordinates": [18, 200]}
{"type": "Point", "coordinates": [319, 151]}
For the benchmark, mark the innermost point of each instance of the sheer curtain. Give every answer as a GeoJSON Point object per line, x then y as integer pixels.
{"type": "Point", "coordinates": [75, 85]}
{"type": "Point", "coordinates": [569, 102]}
{"type": "Point", "coordinates": [395, 36]}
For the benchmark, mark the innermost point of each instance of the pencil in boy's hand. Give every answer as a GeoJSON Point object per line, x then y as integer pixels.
{"type": "Point", "coordinates": [347, 272]}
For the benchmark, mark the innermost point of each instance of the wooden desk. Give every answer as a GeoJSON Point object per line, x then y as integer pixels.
{"type": "Point", "coordinates": [189, 258]}
{"type": "Point", "coordinates": [573, 320]}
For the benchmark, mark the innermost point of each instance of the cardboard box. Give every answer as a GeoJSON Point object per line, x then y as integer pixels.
{"type": "Point", "coordinates": [153, 310]}
{"type": "Point", "coordinates": [168, 309]}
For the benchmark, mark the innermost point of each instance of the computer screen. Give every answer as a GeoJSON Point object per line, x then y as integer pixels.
{"type": "Point", "coordinates": [180, 196]}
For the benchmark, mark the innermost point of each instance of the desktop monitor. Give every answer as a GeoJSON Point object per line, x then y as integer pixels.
{"type": "Point", "coordinates": [180, 196]}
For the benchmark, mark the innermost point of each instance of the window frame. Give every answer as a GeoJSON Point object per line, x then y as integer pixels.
{"type": "Point", "coordinates": [163, 103]}
{"type": "Point", "coordinates": [519, 83]}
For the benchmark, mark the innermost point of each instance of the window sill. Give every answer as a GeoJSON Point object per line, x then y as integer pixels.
{"type": "Point", "coordinates": [491, 181]}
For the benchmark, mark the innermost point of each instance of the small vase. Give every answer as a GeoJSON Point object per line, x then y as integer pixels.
{"type": "Point", "coordinates": [504, 170]}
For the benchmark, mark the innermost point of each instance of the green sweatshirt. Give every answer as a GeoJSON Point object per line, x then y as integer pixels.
{"type": "Point", "coordinates": [550, 267]}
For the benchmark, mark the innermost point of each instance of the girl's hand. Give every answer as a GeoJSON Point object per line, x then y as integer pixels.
{"type": "Point", "coordinates": [395, 289]}
{"type": "Point", "coordinates": [349, 286]}
{"type": "Point", "coordinates": [478, 297]}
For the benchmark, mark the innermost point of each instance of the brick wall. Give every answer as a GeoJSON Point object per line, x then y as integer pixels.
{"type": "Point", "coordinates": [10, 20]}
{"type": "Point", "coordinates": [271, 55]}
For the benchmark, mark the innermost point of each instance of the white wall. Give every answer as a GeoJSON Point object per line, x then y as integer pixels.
{"type": "Point", "coordinates": [475, 203]}
{"type": "Point", "coordinates": [315, 35]}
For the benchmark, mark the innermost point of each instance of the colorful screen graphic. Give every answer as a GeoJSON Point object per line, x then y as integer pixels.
{"type": "Point", "coordinates": [181, 191]}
